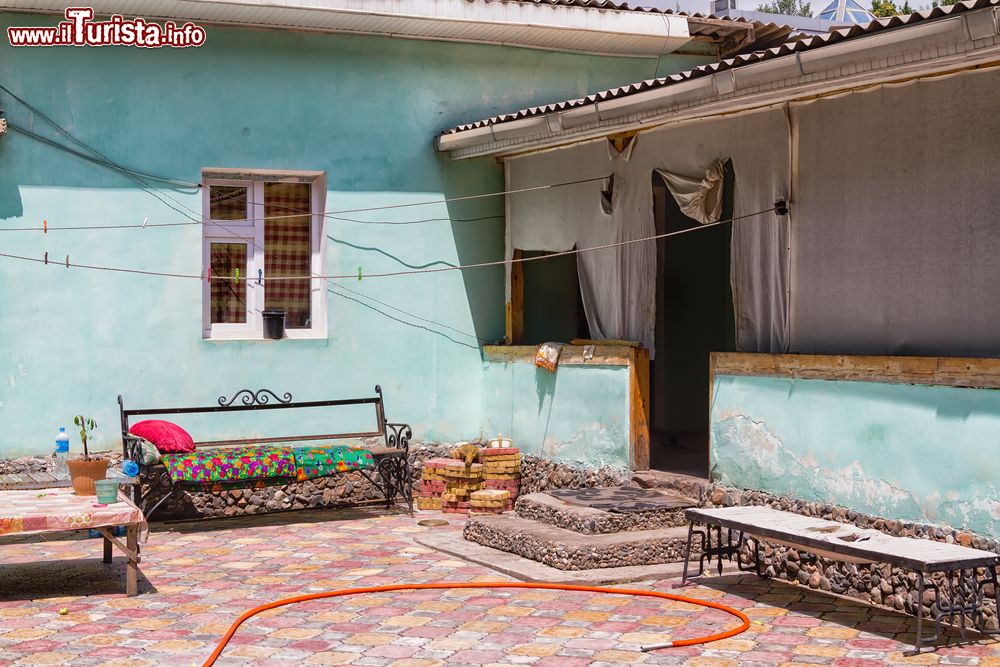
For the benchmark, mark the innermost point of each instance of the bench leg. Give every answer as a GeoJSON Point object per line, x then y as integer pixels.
{"type": "Point", "coordinates": [107, 550]}
{"type": "Point", "coordinates": [132, 570]}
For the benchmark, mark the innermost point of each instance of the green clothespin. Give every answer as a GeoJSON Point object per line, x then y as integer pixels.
{"type": "Point", "coordinates": [237, 274]}
{"type": "Point", "coordinates": [359, 274]}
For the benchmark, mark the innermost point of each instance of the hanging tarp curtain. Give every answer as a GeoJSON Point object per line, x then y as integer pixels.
{"type": "Point", "coordinates": [618, 285]}
{"type": "Point", "coordinates": [698, 198]}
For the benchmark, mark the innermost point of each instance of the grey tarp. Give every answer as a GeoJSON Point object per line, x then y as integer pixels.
{"type": "Point", "coordinates": [619, 284]}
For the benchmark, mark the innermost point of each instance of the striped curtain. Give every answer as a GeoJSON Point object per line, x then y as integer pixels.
{"type": "Point", "coordinates": [288, 251]}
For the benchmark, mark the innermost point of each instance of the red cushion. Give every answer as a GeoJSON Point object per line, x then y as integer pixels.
{"type": "Point", "coordinates": [168, 437]}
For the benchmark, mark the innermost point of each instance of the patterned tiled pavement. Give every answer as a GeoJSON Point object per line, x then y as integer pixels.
{"type": "Point", "coordinates": [197, 578]}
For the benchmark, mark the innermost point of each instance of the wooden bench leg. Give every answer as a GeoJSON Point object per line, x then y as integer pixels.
{"type": "Point", "coordinates": [132, 571]}
{"type": "Point", "coordinates": [107, 550]}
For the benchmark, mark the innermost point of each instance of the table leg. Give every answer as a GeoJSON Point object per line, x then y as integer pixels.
{"type": "Point", "coordinates": [107, 550]}
{"type": "Point", "coordinates": [132, 571]}
{"type": "Point", "coordinates": [687, 553]}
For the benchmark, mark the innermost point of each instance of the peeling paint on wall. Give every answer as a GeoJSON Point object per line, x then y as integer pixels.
{"type": "Point", "coordinates": [913, 453]}
{"type": "Point", "coordinates": [579, 414]}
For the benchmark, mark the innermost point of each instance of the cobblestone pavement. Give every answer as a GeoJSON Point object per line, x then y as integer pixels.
{"type": "Point", "coordinates": [197, 578]}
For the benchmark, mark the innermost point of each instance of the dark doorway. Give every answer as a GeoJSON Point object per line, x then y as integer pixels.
{"type": "Point", "coordinates": [694, 316]}
{"type": "Point", "coordinates": [553, 304]}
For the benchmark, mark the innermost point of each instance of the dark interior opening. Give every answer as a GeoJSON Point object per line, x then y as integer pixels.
{"type": "Point", "coordinates": [694, 316]}
{"type": "Point", "coordinates": [553, 305]}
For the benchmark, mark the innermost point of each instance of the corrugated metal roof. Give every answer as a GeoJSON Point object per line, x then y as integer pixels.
{"type": "Point", "coordinates": [584, 26]}
{"type": "Point", "coordinates": [787, 48]}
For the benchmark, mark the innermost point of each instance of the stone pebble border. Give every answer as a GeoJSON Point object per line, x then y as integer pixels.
{"type": "Point", "coordinates": [568, 557]}
{"type": "Point", "coordinates": [596, 523]}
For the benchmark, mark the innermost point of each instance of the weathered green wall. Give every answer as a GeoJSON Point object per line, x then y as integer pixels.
{"type": "Point", "coordinates": [925, 454]}
{"type": "Point", "coordinates": [579, 414]}
{"type": "Point", "coordinates": [362, 109]}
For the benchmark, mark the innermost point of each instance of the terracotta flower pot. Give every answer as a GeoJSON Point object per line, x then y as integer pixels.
{"type": "Point", "coordinates": [83, 474]}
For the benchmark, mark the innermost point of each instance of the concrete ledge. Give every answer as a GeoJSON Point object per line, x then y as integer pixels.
{"type": "Point", "coordinates": [512, 565]}
{"type": "Point", "coordinates": [567, 550]}
{"type": "Point", "coordinates": [590, 521]}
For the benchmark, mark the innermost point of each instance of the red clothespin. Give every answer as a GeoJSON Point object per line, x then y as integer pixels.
{"type": "Point", "coordinates": [45, 226]}
{"type": "Point", "coordinates": [208, 275]}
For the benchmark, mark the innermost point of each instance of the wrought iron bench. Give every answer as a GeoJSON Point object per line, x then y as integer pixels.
{"type": "Point", "coordinates": [390, 474]}
{"type": "Point", "coordinates": [966, 576]}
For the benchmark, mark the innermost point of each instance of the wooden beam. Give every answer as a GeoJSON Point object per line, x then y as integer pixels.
{"type": "Point", "coordinates": [946, 371]}
{"type": "Point", "coordinates": [515, 307]}
{"type": "Point", "coordinates": [571, 355]}
{"type": "Point", "coordinates": [639, 412]}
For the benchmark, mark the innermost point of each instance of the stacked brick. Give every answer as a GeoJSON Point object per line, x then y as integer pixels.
{"type": "Point", "coordinates": [457, 487]}
{"type": "Point", "coordinates": [489, 501]}
{"type": "Point", "coordinates": [461, 481]}
{"type": "Point", "coordinates": [502, 466]}
{"type": "Point", "coordinates": [432, 483]}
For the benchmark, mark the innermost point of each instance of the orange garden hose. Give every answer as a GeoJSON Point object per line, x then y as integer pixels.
{"type": "Point", "coordinates": [498, 584]}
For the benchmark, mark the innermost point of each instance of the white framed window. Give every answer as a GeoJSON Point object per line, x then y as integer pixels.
{"type": "Point", "coordinates": [263, 243]}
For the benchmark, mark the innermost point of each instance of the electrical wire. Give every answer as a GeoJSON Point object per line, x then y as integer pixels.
{"type": "Point", "coordinates": [74, 228]}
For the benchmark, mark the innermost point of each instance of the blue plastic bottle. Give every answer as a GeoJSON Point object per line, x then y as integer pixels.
{"type": "Point", "coordinates": [59, 468]}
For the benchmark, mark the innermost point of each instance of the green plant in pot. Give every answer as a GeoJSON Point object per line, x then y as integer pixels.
{"type": "Point", "coordinates": [83, 472]}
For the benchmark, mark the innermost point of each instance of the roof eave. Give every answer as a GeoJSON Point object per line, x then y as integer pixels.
{"type": "Point", "coordinates": [741, 85]}
{"type": "Point", "coordinates": [577, 29]}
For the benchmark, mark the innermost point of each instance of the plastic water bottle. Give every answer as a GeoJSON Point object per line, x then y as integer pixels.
{"type": "Point", "coordinates": [59, 468]}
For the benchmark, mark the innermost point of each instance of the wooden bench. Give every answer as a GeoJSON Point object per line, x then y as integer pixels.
{"type": "Point", "coordinates": [965, 572]}
{"type": "Point", "coordinates": [391, 473]}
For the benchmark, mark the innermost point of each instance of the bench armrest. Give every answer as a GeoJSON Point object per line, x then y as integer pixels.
{"type": "Point", "coordinates": [398, 436]}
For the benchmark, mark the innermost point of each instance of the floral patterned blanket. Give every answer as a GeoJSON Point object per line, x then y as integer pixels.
{"type": "Point", "coordinates": [229, 464]}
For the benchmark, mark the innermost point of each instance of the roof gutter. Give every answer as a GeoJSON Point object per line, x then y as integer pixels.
{"type": "Point", "coordinates": [736, 88]}
{"type": "Point", "coordinates": [614, 32]}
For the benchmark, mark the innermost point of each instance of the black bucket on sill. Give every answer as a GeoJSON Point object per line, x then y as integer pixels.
{"type": "Point", "coordinates": [274, 324]}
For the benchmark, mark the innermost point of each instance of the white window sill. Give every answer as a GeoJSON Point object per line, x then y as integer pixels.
{"type": "Point", "coordinates": [303, 335]}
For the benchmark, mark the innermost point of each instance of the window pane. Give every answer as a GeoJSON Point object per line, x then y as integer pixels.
{"type": "Point", "coordinates": [288, 251]}
{"type": "Point", "coordinates": [227, 202]}
{"type": "Point", "coordinates": [229, 299]}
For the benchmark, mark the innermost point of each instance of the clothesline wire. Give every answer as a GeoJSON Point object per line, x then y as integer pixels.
{"type": "Point", "coordinates": [388, 274]}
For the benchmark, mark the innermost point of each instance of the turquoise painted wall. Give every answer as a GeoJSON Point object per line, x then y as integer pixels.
{"type": "Point", "coordinates": [362, 109]}
{"type": "Point", "coordinates": [578, 414]}
{"type": "Point", "coordinates": [925, 454]}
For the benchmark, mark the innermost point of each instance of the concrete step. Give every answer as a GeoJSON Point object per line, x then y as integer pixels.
{"type": "Point", "coordinates": [590, 521]}
{"type": "Point", "coordinates": [568, 550]}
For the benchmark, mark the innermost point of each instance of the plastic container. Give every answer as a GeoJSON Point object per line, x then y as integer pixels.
{"type": "Point", "coordinates": [107, 491]}
{"type": "Point", "coordinates": [274, 324]}
{"type": "Point", "coordinates": [61, 454]}
{"type": "Point", "coordinates": [499, 442]}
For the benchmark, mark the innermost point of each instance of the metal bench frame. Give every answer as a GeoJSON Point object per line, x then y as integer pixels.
{"type": "Point", "coordinates": [393, 476]}
{"type": "Point", "coordinates": [964, 583]}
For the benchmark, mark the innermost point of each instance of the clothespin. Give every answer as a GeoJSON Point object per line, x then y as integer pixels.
{"type": "Point", "coordinates": [359, 274]}
{"type": "Point", "coordinates": [260, 275]}
{"type": "Point", "coordinates": [45, 226]}
{"type": "Point", "coordinates": [236, 273]}
{"type": "Point", "coordinates": [208, 275]}
{"type": "Point", "coordinates": [144, 221]}
{"type": "Point", "coordinates": [67, 261]}
{"type": "Point", "coordinates": [46, 258]}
